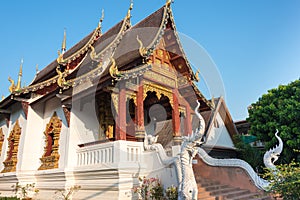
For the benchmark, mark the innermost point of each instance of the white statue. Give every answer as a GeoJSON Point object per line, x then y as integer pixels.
{"type": "Point", "coordinates": [188, 188]}
{"type": "Point", "coordinates": [271, 156]}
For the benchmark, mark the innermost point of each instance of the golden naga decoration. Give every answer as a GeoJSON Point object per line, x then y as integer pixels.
{"type": "Point", "coordinates": [142, 50]}
{"type": "Point", "coordinates": [60, 59]}
{"type": "Point", "coordinates": [12, 87]}
{"type": "Point", "coordinates": [113, 69]}
{"type": "Point", "coordinates": [93, 54]}
{"type": "Point", "coordinates": [61, 81]}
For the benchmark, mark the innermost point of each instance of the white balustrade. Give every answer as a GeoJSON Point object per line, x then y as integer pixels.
{"type": "Point", "coordinates": [109, 153]}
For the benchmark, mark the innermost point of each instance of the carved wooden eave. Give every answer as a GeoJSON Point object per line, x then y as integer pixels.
{"type": "Point", "coordinates": [13, 145]}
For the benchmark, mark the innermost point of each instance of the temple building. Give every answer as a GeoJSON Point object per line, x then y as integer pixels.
{"type": "Point", "coordinates": [84, 117]}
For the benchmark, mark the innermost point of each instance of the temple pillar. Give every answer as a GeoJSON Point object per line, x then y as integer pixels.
{"type": "Point", "coordinates": [176, 119]}
{"type": "Point", "coordinates": [120, 133]}
{"type": "Point", "coordinates": [140, 128]}
{"type": "Point", "coordinates": [188, 121]}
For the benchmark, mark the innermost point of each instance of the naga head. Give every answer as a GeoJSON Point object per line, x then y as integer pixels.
{"type": "Point", "coordinates": [273, 154]}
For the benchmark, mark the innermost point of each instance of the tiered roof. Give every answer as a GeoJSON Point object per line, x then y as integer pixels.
{"type": "Point", "coordinates": [123, 46]}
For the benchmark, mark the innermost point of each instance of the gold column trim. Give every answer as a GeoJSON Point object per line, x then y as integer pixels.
{"type": "Point", "coordinates": [159, 90]}
{"type": "Point", "coordinates": [13, 145]}
{"type": "Point", "coordinates": [131, 95]}
{"type": "Point", "coordinates": [115, 100]}
{"type": "Point", "coordinates": [182, 109]}
{"type": "Point", "coordinates": [53, 128]}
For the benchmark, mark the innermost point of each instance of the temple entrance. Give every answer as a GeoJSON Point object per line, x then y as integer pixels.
{"type": "Point", "coordinates": [105, 117]}
{"type": "Point", "coordinates": [158, 118]}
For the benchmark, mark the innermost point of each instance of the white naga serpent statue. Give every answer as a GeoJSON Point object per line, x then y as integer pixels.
{"type": "Point", "coordinates": [188, 188]}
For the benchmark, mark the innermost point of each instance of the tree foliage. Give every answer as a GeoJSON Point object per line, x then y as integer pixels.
{"type": "Point", "coordinates": [285, 180]}
{"type": "Point", "coordinates": [278, 109]}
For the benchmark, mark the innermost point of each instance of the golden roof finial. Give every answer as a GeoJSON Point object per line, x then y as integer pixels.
{"type": "Point", "coordinates": [168, 2]}
{"type": "Point", "coordinates": [197, 75]}
{"type": "Point", "coordinates": [101, 19]}
{"type": "Point", "coordinates": [3, 97]}
{"type": "Point", "coordinates": [18, 87]}
{"type": "Point", "coordinates": [64, 43]}
{"type": "Point", "coordinates": [37, 68]}
{"type": "Point", "coordinates": [129, 10]}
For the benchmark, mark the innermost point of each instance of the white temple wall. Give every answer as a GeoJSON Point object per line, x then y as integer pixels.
{"type": "Point", "coordinates": [51, 106]}
{"type": "Point", "coordinates": [33, 139]}
{"type": "Point", "coordinates": [5, 142]}
{"type": "Point", "coordinates": [73, 141]}
{"type": "Point", "coordinates": [85, 122]}
{"type": "Point", "coordinates": [219, 136]}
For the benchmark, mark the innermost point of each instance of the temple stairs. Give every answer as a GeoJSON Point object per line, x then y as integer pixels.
{"type": "Point", "coordinates": [213, 190]}
{"type": "Point", "coordinates": [225, 183]}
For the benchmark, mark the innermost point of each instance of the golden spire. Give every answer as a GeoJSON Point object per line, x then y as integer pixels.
{"type": "Point", "coordinates": [101, 19]}
{"type": "Point", "coordinates": [64, 43]}
{"type": "Point", "coordinates": [129, 10]}
{"type": "Point", "coordinates": [18, 87]}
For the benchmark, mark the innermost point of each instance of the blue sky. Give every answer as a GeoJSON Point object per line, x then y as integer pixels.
{"type": "Point", "coordinates": [255, 44]}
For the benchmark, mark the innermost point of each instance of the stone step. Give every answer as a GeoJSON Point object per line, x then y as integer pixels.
{"type": "Point", "coordinates": [212, 190]}
{"type": "Point", "coordinates": [235, 193]}
{"type": "Point", "coordinates": [212, 187]}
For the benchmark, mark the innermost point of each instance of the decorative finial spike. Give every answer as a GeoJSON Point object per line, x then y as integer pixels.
{"type": "Point", "coordinates": [213, 102]}
{"type": "Point", "coordinates": [101, 19]}
{"type": "Point", "coordinates": [37, 68]}
{"type": "Point", "coordinates": [21, 67]}
{"type": "Point", "coordinates": [64, 43]}
{"type": "Point", "coordinates": [18, 87]}
{"type": "Point", "coordinates": [129, 10]}
{"type": "Point", "coordinates": [3, 97]}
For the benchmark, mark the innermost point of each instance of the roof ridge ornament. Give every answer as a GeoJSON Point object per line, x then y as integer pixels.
{"type": "Point", "coordinates": [101, 20]}
{"type": "Point", "coordinates": [18, 87]}
{"type": "Point", "coordinates": [60, 59]}
{"type": "Point", "coordinates": [168, 2]}
{"type": "Point", "coordinates": [142, 50]}
{"type": "Point", "coordinates": [129, 10]}
{"type": "Point", "coordinates": [64, 43]}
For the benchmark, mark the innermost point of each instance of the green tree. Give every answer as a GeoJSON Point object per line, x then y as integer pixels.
{"type": "Point", "coordinates": [278, 109]}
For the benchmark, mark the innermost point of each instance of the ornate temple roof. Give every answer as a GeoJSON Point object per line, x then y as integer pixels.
{"type": "Point", "coordinates": [123, 45]}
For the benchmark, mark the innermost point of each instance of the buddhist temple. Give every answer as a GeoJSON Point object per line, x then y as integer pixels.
{"type": "Point", "coordinates": [85, 117]}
